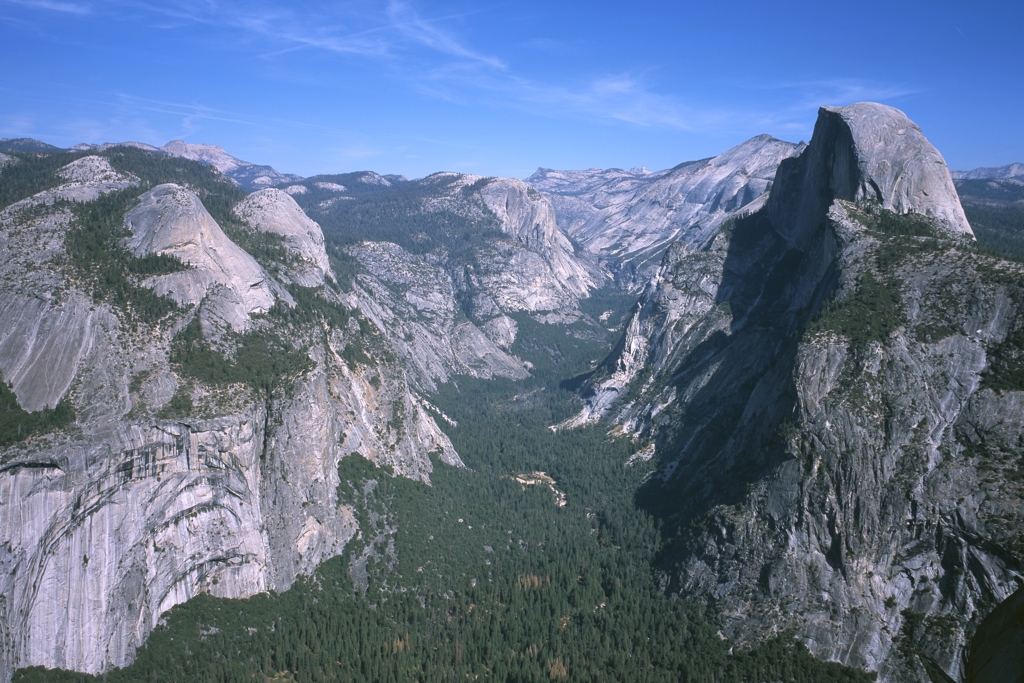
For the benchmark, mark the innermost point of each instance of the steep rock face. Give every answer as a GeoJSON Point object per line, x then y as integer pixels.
{"type": "Point", "coordinates": [274, 211]}
{"type": "Point", "coordinates": [529, 219]}
{"type": "Point", "coordinates": [876, 154]}
{"type": "Point", "coordinates": [97, 547]}
{"type": "Point", "coordinates": [171, 220]}
{"type": "Point", "coordinates": [414, 303]}
{"type": "Point", "coordinates": [536, 271]}
{"type": "Point", "coordinates": [494, 241]}
{"type": "Point", "coordinates": [46, 328]}
{"type": "Point", "coordinates": [633, 216]}
{"type": "Point", "coordinates": [108, 523]}
{"type": "Point", "coordinates": [833, 467]}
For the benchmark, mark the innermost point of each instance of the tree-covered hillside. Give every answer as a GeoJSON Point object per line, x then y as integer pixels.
{"type": "Point", "coordinates": [421, 216]}
{"type": "Point", "coordinates": [995, 210]}
{"type": "Point", "coordinates": [533, 563]}
{"type": "Point", "coordinates": [482, 575]}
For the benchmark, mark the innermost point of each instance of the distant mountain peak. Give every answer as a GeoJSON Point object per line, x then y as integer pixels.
{"type": "Point", "coordinates": [213, 155]}
{"type": "Point", "coordinates": [247, 175]}
{"type": "Point", "coordinates": [26, 145]}
{"type": "Point", "coordinates": [1015, 170]}
{"type": "Point", "coordinates": [89, 147]}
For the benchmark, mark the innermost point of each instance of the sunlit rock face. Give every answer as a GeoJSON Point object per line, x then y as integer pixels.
{"type": "Point", "coordinates": [275, 211]}
{"type": "Point", "coordinates": [828, 477]}
{"type": "Point", "coordinates": [172, 221]}
{"type": "Point", "coordinates": [630, 217]}
{"type": "Point", "coordinates": [874, 153]}
{"type": "Point", "coordinates": [46, 329]}
{"type": "Point", "coordinates": [537, 270]}
{"type": "Point", "coordinates": [450, 306]}
{"type": "Point", "coordinates": [106, 524]}
{"type": "Point", "coordinates": [248, 176]}
{"type": "Point", "coordinates": [527, 217]}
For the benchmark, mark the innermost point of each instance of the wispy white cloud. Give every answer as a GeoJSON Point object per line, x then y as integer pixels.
{"type": "Point", "coordinates": [622, 98]}
{"type": "Point", "coordinates": [17, 125]}
{"type": "Point", "coordinates": [125, 106]}
{"type": "Point", "coordinates": [52, 6]}
{"type": "Point", "coordinates": [430, 35]}
{"type": "Point", "coordinates": [430, 55]}
{"type": "Point", "coordinates": [343, 28]}
{"type": "Point", "coordinates": [839, 91]}
{"type": "Point", "coordinates": [426, 52]}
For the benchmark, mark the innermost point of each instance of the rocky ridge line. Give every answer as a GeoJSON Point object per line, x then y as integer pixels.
{"type": "Point", "coordinates": [830, 473]}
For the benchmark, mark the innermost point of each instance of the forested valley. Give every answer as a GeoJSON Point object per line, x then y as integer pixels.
{"type": "Point", "coordinates": [532, 563]}
{"type": "Point", "coordinates": [478, 575]}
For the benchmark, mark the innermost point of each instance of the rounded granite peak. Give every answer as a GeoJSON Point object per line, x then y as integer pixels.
{"type": "Point", "coordinates": [864, 152]}
{"type": "Point", "coordinates": [897, 166]}
{"type": "Point", "coordinates": [275, 211]}
{"type": "Point", "coordinates": [171, 220]}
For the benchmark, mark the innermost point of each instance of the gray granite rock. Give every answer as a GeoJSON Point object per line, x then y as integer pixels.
{"type": "Point", "coordinates": [110, 522]}
{"type": "Point", "coordinates": [274, 211]}
{"type": "Point", "coordinates": [848, 490]}
{"type": "Point", "coordinates": [630, 217]}
{"type": "Point", "coordinates": [171, 220]}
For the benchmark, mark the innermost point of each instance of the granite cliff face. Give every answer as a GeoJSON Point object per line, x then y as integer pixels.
{"type": "Point", "coordinates": [824, 374]}
{"type": "Point", "coordinates": [47, 329]}
{"type": "Point", "coordinates": [827, 388]}
{"type": "Point", "coordinates": [171, 482]}
{"type": "Point", "coordinates": [467, 255]}
{"type": "Point", "coordinates": [205, 449]}
{"type": "Point", "coordinates": [172, 221]}
{"type": "Point", "coordinates": [630, 217]}
{"type": "Point", "coordinates": [415, 301]}
{"type": "Point", "coordinates": [274, 211]}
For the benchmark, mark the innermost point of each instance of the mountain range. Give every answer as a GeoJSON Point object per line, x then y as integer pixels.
{"type": "Point", "coordinates": [811, 354]}
{"type": "Point", "coordinates": [246, 175]}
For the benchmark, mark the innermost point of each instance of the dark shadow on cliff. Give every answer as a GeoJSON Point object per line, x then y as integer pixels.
{"type": "Point", "coordinates": [731, 433]}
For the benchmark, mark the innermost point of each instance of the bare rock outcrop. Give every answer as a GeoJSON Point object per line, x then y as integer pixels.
{"type": "Point", "coordinates": [109, 522]}
{"type": "Point", "coordinates": [875, 153]}
{"type": "Point", "coordinates": [275, 211]}
{"type": "Point", "coordinates": [84, 180]}
{"type": "Point", "coordinates": [414, 303]}
{"type": "Point", "coordinates": [46, 327]}
{"type": "Point", "coordinates": [530, 219]}
{"type": "Point", "coordinates": [1015, 170]}
{"type": "Point", "coordinates": [247, 175]}
{"type": "Point", "coordinates": [491, 245]}
{"type": "Point", "coordinates": [171, 220]}
{"type": "Point", "coordinates": [817, 381]}
{"type": "Point", "coordinates": [630, 217]}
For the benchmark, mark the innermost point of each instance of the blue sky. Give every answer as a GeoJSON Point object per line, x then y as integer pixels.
{"type": "Point", "coordinates": [500, 88]}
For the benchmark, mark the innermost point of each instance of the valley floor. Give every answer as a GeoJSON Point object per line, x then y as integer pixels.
{"type": "Point", "coordinates": [478, 575]}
